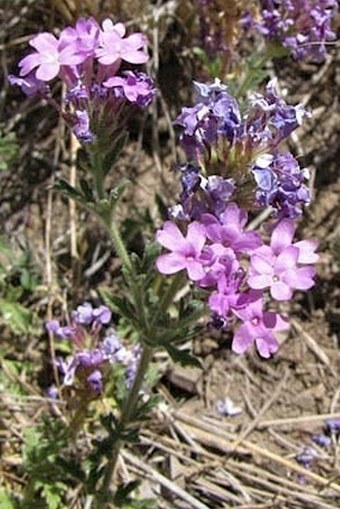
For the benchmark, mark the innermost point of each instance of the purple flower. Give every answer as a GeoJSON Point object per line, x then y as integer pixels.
{"type": "Point", "coordinates": [322, 440]}
{"type": "Point", "coordinates": [52, 392]}
{"type": "Point", "coordinates": [280, 273]}
{"type": "Point", "coordinates": [282, 237]}
{"type": "Point", "coordinates": [48, 58]}
{"type": "Point", "coordinates": [54, 327]}
{"type": "Point", "coordinates": [185, 251]}
{"type": "Point", "coordinates": [228, 231]}
{"type": "Point", "coordinates": [138, 88]}
{"type": "Point", "coordinates": [95, 380]}
{"type": "Point", "coordinates": [226, 298]}
{"type": "Point", "coordinates": [307, 457]}
{"type": "Point", "coordinates": [83, 37]}
{"type": "Point", "coordinates": [302, 26]}
{"type": "Point", "coordinates": [333, 425]}
{"type": "Point", "coordinates": [30, 85]}
{"type": "Point", "coordinates": [258, 327]}
{"type": "Point", "coordinates": [81, 128]}
{"type": "Point", "coordinates": [281, 185]}
{"type": "Point", "coordinates": [113, 47]}
{"type": "Point", "coordinates": [83, 314]}
{"type": "Point", "coordinates": [102, 315]}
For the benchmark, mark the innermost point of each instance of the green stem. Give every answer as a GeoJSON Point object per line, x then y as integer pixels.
{"type": "Point", "coordinates": [174, 287]}
{"type": "Point", "coordinates": [127, 412]}
{"type": "Point", "coordinates": [119, 245]}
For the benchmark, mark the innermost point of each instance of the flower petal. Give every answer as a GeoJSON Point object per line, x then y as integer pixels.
{"type": "Point", "coordinates": [282, 235]}
{"type": "Point", "coordinates": [243, 339]}
{"type": "Point", "coordinates": [170, 263]}
{"type": "Point", "coordinates": [260, 281]}
{"type": "Point", "coordinates": [170, 237]}
{"type": "Point", "coordinates": [280, 291]}
{"type": "Point", "coordinates": [301, 279]}
{"type": "Point", "coordinates": [261, 265]}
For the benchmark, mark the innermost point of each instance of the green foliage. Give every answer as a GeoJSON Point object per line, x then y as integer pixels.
{"type": "Point", "coordinates": [213, 66]}
{"type": "Point", "coordinates": [8, 150]}
{"type": "Point", "coordinates": [18, 280]}
{"type": "Point", "coordinates": [124, 500]}
{"type": "Point", "coordinates": [8, 501]}
{"type": "Point", "coordinates": [50, 464]}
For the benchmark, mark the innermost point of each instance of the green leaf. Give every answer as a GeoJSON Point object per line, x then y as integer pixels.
{"type": "Point", "coordinates": [117, 193]}
{"type": "Point", "coordinates": [87, 191]}
{"type": "Point", "coordinates": [111, 157]}
{"type": "Point", "coordinates": [83, 160]}
{"type": "Point", "coordinates": [123, 492]}
{"type": "Point", "coordinates": [15, 315]}
{"type": "Point", "coordinates": [8, 150]}
{"type": "Point", "coordinates": [53, 493]}
{"type": "Point", "coordinates": [182, 356]}
{"type": "Point", "coordinates": [6, 501]}
{"type": "Point", "coordinates": [69, 191]}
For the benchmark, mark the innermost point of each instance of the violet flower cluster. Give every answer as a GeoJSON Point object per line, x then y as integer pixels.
{"type": "Point", "coordinates": [99, 67]}
{"type": "Point", "coordinates": [302, 26]}
{"type": "Point", "coordinates": [241, 271]}
{"type": "Point", "coordinates": [238, 156]}
{"type": "Point", "coordinates": [93, 352]}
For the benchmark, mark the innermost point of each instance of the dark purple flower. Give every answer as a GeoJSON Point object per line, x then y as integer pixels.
{"type": "Point", "coordinates": [302, 26]}
{"type": "Point", "coordinates": [30, 85]}
{"type": "Point", "coordinates": [54, 327]}
{"type": "Point", "coordinates": [138, 88]}
{"type": "Point", "coordinates": [81, 127]}
{"type": "Point", "coordinates": [333, 425]}
{"type": "Point", "coordinates": [322, 440]}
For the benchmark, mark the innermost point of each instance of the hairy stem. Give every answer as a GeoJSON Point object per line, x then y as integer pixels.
{"type": "Point", "coordinates": [127, 413]}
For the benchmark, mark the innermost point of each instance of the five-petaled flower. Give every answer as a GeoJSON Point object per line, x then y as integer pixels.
{"type": "Point", "coordinates": [185, 251]}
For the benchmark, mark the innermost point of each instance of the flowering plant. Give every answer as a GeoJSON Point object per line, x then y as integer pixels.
{"type": "Point", "coordinates": [235, 167]}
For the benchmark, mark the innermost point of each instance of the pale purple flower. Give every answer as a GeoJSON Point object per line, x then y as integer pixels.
{"type": "Point", "coordinates": [113, 47]}
{"type": "Point", "coordinates": [48, 58]}
{"type": "Point", "coordinates": [95, 380]}
{"type": "Point", "coordinates": [54, 327]}
{"type": "Point", "coordinates": [102, 315]}
{"type": "Point", "coordinates": [229, 230]}
{"type": "Point", "coordinates": [83, 314]}
{"type": "Point", "coordinates": [185, 251]}
{"type": "Point", "coordinates": [226, 298]}
{"type": "Point", "coordinates": [282, 237]}
{"type": "Point", "coordinates": [258, 327]}
{"type": "Point", "coordinates": [227, 407]}
{"type": "Point", "coordinates": [83, 37]}
{"type": "Point", "coordinates": [280, 273]}
{"type": "Point", "coordinates": [307, 457]}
